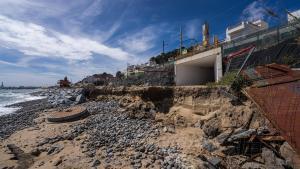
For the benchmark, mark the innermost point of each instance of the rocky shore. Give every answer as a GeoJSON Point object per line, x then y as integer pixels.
{"type": "Point", "coordinates": [141, 128]}
{"type": "Point", "coordinates": [22, 118]}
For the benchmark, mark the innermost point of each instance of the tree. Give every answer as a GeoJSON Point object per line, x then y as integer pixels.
{"type": "Point", "coordinates": [119, 75]}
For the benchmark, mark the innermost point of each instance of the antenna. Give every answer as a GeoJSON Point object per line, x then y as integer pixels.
{"type": "Point", "coordinates": [181, 37]}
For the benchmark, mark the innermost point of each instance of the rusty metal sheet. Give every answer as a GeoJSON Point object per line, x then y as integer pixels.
{"type": "Point", "coordinates": [270, 75]}
{"type": "Point", "coordinates": [276, 91]}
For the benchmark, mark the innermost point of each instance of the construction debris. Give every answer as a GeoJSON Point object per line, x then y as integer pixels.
{"type": "Point", "coordinates": [69, 114]}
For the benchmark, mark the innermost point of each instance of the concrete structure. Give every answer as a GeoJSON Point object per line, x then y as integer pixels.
{"type": "Point", "coordinates": [245, 28]}
{"type": "Point", "coordinates": [295, 13]}
{"type": "Point", "coordinates": [200, 68]}
{"type": "Point", "coordinates": [2, 86]}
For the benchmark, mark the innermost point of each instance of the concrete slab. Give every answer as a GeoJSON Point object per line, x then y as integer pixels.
{"type": "Point", "coordinates": [71, 114]}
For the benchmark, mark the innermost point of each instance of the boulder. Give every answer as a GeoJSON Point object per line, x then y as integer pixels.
{"type": "Point", "coordinates": [223, 136]}
{"type": "Point", "coordinates": [209, 146]}
{"type": "Point", "coordinates": [291, 157]}
{"type": "Point", "coordinates": [271, 161]}
{"type": "Point", "coordinates": [80, 99]}
{"type": "Point", "coordinates": [241, 135]}
{"type": "Point", "coordinates": [215, 161]}
{"type": "Point", "coordinates": [212, 128]}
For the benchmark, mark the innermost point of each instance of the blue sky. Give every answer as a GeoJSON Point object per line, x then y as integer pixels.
{"type": "Point", "coordinates": [41, 41]}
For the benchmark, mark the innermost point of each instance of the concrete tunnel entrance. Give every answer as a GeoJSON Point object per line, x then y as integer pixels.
{"type": "Point", "coordinates": [199, 69]}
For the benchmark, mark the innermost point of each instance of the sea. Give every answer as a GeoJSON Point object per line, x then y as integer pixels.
{"type": "Point", "coordinates": [12, 96]}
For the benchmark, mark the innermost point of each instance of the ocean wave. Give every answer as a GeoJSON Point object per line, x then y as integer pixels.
{"type": "Point", "coordinates": [9, 97]}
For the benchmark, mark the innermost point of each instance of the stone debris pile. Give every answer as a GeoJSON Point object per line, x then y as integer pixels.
{"type": "Point", "coordinates": [65, 96]}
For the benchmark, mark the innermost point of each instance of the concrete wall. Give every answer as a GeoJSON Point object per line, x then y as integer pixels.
{"type": "Point", "coordinates": [191, 75]}
{"type": "Point", "coordinates": [218, 69]}
{"type": "Point", "coordinates": [199, 69]}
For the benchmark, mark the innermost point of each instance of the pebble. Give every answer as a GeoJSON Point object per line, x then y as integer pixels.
{"type": "Point", "coordinates": [57, 162]}
{"type": "Point", "coordinates": [22, 118]}
{"type": "Point", "coordinates": [95, 163]}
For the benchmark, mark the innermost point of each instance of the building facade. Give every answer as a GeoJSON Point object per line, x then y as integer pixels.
{"type": "Point", "coordinates": [295, 14]}
{"type": "Point", "coordinates": [245, 28]}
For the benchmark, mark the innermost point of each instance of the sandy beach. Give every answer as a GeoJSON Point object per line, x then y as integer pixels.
{"type": "Point", "coordinates": [125, 131]}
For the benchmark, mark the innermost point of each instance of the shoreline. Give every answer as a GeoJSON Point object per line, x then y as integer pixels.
{"type": "Point", "coordinates": [127, 131]}
{"type": "Point", "coordinates": [14, 105]}
{"type": "Point", "coordinates": [21, 118]}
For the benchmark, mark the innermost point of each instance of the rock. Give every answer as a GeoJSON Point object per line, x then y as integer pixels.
{"type": "Point", "coordinates": [241, 135]}
{"type": "Point", "coordinates": [198, 124]}
{"type": "Point", "coordinates": [107, 166]}
{"type": "Point", "coordinates": [223, 136]}
{"type": "Point", "coordinates": [71, 98]}
{"type": "Point", "coordinates": [90, 153]}
{"type": "Point", "coordinates": [22, 118]}
{"type": "Point", "coordinates": [262, 130]}
{"type": "Point", "coordinates": [271, 161]}
{"type": "Point", "coordinates": [147, 165]}
{"type": "Point", "coordinates": [36, 152]}
{"type": "Point", "coordinates": [169, 129]}
{"type": "Point", "coordinates": [230, 150]}
{"type": "Point", "coordinates": [211, 128]}
{"type": "Point", "coordinates": [55, 149]}
{"type": "Point", "coordinates": [215, 161]}
{"type": "Point", "coordinates": [80, 99]}
{"type": "Point", "coordinates": [39, 120]}
{"type": "Point", "coordinates": [252, 165]}
{"type": "Point", "coordinates": [138, 155]}
{"type": "Point", "coordinates": [207, 145]}
{"type": "Point", "coordinates": [41, 163]}
{"type": "Point", "coordinates": [57, 162]}
{"type": "Point", "coordinates": [291, 157]}
{"type": "Point", "coordinates": [95, 163]}
{"type": "Point", "coordinates": [137, 165]}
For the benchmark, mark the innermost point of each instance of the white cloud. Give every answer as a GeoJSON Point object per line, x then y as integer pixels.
{"type": "Point", "coordinates": [36, 40]}
{"type": "Point", "coordinates": [26, 8]}
{"type": "Point", "coordinates": [94, 9]}
{"type": "Point", "coordinates": [140, 41]}
{"type": "Point", "coordinates": [254, 11]}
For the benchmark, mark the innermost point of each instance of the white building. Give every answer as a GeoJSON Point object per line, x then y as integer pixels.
{"type": "Point", "coordinates": [245, 28]}
{"type": "Point", "coordinates": [295, 13]}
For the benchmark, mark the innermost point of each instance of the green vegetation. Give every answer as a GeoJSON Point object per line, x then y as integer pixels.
{"type": "Point", "coordinates": [164, 57]}
{"type": "Point", "coordinates": [230, 79]}
{"type": "Point", "coordinates": [226, 80]}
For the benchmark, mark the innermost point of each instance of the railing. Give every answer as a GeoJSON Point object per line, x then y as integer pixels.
{"type": "Point", "coordinates": [264, 38]}
{"type": "Point", "coordinates": [261, 39]}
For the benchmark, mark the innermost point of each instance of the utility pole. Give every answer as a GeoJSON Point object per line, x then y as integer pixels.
{"type": "Point", "coordinates": [180, 40]}
{"type": "Point", "coordinates": [163, 51]}
{"type": "Point", "coordinates": [127, 70]}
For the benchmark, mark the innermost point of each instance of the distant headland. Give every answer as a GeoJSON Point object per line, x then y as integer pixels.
{"type": "Point", "coordinates": [19, 87]}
